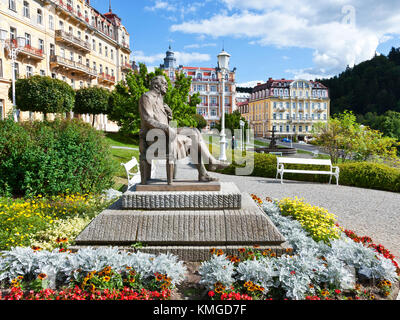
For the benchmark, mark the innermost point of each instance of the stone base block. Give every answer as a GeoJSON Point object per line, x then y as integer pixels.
{"type": "Point", "coordinates": [188, 233]}
{"type": "Point", "coordinates": [190, 186]}
{"type": "Point", "coordinates": [229, 197]}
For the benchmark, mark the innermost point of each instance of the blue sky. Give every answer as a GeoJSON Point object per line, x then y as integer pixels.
{"type": "Point", "coordinates": [266, 38]}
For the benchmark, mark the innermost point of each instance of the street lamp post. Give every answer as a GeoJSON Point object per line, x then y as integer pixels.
{"type": "Point", "coordinates": [13, 50]}
{"type": "Point", "coordinates": [223, 62]}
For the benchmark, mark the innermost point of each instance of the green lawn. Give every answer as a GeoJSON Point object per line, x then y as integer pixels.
{"type": "Point", "coordinates": [122, 156]}
{"type": "Point", "coordinates": [118, 140]}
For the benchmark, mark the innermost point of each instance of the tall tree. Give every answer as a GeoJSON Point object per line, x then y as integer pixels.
{"type": "Point", "coordinates": [92, 100]}
{"type": "Point", "coordinates": [43, 94]}
{"type": "Point", "coordinates": [124, 103]}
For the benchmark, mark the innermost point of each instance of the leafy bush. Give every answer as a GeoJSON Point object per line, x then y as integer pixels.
{"type": "Point", "coordinates": [52, 158]}
{"type": "Point", "coordinates": [355, 174]}
{"type": "Point", "coordinates": [92, 100]}
{"type": "Point", "coordinates": [370, 175]}
{"type": "Point", "coordinates": [43, 94]}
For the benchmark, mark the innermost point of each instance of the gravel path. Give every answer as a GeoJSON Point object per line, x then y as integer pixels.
{"type": "Point", "coordinates": [367, 212]}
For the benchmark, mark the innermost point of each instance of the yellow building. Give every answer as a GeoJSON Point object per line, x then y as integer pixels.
{"type": "Point", "coordinates": [65, 39]}
{"type": "Point", "coordinates": [290, 107]}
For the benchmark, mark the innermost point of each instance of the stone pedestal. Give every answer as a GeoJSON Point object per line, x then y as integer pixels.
{"type": "Point", "coordinates": [185, 224]}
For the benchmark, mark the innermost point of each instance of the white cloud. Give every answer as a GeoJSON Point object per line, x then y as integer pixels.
{"type": "Point", "coordinates": [183, 58]}
{"type": "Point", "coordinates": [161, 5]}
{"type": "Point", "coordinates": [199, 45]}
{"type": "Point", "coordinates": [319, 26]}
{"type": "Point", "coordinates": [250, 84]}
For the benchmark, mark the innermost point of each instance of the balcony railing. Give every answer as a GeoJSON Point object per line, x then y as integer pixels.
{"type": "Point", "coordinates": [27, 50]}
{"type": "Point", "coordinates": [60, 62]}
{"type": "Point", "coordinates": [319, 110]}
{"type": "Point", "coordinates": [127, 67]}
{"type": "Point", "coordinates": [73, 41]}
{"type": "Point", "coordinates": [106, 78]}
{"type": "Point", "coordinates": [78, 16]}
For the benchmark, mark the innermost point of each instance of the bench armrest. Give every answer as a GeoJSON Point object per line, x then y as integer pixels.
{"type": "Point", "coordinates": [337, 169]}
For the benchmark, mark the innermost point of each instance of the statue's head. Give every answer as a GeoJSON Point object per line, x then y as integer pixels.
{"type": "Point", "coordinates": [159, 84]}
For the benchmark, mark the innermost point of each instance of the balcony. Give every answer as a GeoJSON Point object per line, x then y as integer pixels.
{"type": "Point", "coordinates": [319, 110]}
{"type": "Point", "coordinates": [126, 67]}
{"type": "Point", "coordinates": [72, 66]}
{"type": "Point", "coordinates": [26, 51]}
{"type": "Point", "coordinates": [69, 11]}
{"type": "Point", "coordinates": [106, 79]}
{"type": "Point", "coordinates": [71, 41]}
{"type": "Point", "coordinates": [125, 46]}
{"type": "Point", "coordinates": [211, 118]}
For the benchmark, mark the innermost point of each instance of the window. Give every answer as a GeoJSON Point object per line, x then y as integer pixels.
{"type": "Point", "coordinates": [73, 83]}
{"type": "Point", "coordinates": [94, 66]}
{"type": "Point", "coordinates": [42, 73]}
{"type": "Point", "coordinates": [52, 49]}
{"type": "Point", "coordinates": [1, 109]}
{"type": "Point", "coordinates": [62, 50]}
{"type": "Point", "coordinates": [26, 9]}
{"type": "Point", "coordinates": [39, 16]}
{"type": "Point", "coordinates": [61, 25]}
{"type": "Point", "coordinates": [16, 70]}
{"type": "Point", "coordinates": [112, 54]}
{"type": "Point", "coordinates": [1, 68]}
{"type": "Point", "coordinates": [94, 44]}
{"type": "Point", "coordinates": [80, 59]}
{"type": "Point", "coordinates": [71, 30]}
{"type": "Point", "coordinates": [51, 22]}
{"type": "Point", "coordinates": [54, 76]}
{"type": "Point", "coordinates": [112, 72]}
{"type": "Point", "coordinates": [29, 71]}
{"type": "Point", "coordinates": [100, 48]}
{"type": "Point", "coordinates": [11, 5]}
{"type": "Point", "coordinates": [106, 51]}
{"type": "Point", "coordinates": [28, 39]}
{"type": "Point", "coordinates": [107, 71]}
{"type": "Point", "coordinates": [13, 33]}
{"type": "Point", "coordinates": [101, 68]}
{"type": "Point", "coordinates": [41, 45]}
{"type": "Point", "coordinates": [71, 55]}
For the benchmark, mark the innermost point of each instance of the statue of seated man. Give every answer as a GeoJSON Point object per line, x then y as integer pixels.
{"type": "Point", "coordinates": [155, 114]}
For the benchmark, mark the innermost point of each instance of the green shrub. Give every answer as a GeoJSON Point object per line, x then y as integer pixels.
{"type": "Point", "coordinates": [356, 174]}
{"type": "Point", "coordinates": [52, 158]}
{"type": "Point", "coordinates": [369, 175]}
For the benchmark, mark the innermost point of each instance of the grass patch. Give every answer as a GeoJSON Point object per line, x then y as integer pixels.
{"type": "Point", "coordinates": [118, 140]}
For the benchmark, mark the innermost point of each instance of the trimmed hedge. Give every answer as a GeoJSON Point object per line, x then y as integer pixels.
{"type": "Point", "coordinates": [355, 174]}
{"type": "Point", "coordinates": [51, 158]}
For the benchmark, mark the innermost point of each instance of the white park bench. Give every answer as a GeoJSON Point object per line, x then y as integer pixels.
{"type": "Point", "coordinates": [134, 178]}
{"type": "Point", "coordinates": [281, 170]}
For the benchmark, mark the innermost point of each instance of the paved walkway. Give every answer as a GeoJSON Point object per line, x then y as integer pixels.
{"type": "Point", "coordinates": [367, 212]}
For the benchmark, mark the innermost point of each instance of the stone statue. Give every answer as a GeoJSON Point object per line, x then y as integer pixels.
{"type": "Point", "coordinates": [155, 114]}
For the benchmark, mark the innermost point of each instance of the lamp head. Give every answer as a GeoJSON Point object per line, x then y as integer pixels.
{"type": "Point", "coordinates": [223, 60]}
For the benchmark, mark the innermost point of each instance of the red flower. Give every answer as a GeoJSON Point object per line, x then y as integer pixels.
{"type": "Point", "coordinates": [211, 294]}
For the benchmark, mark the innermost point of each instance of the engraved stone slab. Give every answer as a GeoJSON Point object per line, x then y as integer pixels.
{"type": "Point", "coordinates": [162, 186]}
{"type": "Point", "coordinates": [229, 197]}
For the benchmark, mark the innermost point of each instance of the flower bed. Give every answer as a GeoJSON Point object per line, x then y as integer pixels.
{"type": "Point", "coordinates": [39, 221]}
{"type": "Point", "coordinates": [89, 274]}
{"type": "Point", "coordinates": [335, 267]}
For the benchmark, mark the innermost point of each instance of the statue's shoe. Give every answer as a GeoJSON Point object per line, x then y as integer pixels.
{"type": "Point", "coordinates": [218, 166]}
{"type": "Point", "coordinates": [207, 178]}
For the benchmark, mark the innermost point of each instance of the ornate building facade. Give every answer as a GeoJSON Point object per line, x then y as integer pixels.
{"type": "Point", "coordinates": [208, 83]}
{"type": "Point", "coordinates": [65, 39]}
{"type": "Point", "coordinates": [290, 107]}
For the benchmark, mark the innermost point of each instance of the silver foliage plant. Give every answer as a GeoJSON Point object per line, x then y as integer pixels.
{"type": "Point", "coordinates": [312, 263]}
{"type": "Point", "coordinates": [61, 267]}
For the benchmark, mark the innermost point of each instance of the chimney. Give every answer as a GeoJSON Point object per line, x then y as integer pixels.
{"type": "Point", "coordinates": [269, 79]}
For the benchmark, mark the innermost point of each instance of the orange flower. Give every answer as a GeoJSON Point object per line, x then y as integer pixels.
{"type": "Point", "coordinates": [42, 276]}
